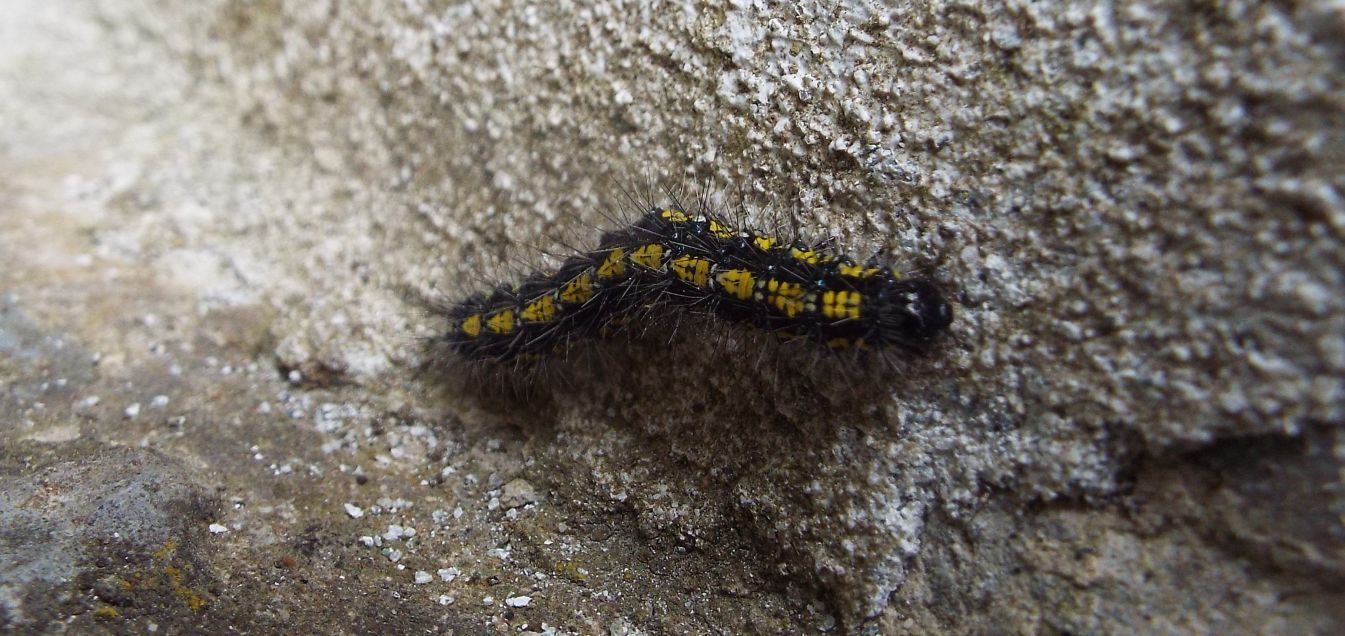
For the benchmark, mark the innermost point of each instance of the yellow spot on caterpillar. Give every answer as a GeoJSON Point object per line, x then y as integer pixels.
{"type": "Point", "coordinates": [650, 256]}
{"type": "Point", "coordinates": [614, 265]}
{"type": "Point", "coordinates": [840, 305]}
{"type": "Point", "coordinates": [764, 242]}
{"type": "Point", "coordinates": [858, 271]}
{"type": "Point", "coordinates": [579, 289]}
{"type": "Point", "coordinates": [501, 321]}
{"type": "Point", "coordinates": [676, 216]}
{"type": "Point", "coordinates": [807, 256]}
{"type": "Point", "coordinates": [541, 310]}
{"type": "Point", "coordinates": [788, 298]}
{"type": "Point", "coordinates": [692, 270]}
{"type": "Point", "coordinates": [719, 230]}
{"type": "Point", "coordinates": [736, 283]}
{"type": "Point", "coordinates": [472, 326]}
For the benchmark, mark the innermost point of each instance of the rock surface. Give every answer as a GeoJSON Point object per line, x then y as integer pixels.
{"type": "Point", "coordinates": [215, 212]}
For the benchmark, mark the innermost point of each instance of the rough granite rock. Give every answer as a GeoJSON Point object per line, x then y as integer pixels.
{"type": "Point", "coordinates": [122, 523]}
{"type": "Point", "coordinates": [215, 214]}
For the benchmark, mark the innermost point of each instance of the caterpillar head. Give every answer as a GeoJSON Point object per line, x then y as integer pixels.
{"type": "Point", "coordinates": [910, 313]}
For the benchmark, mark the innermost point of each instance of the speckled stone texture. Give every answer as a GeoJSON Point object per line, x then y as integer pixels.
{"type": "Point", "coordinates": [217, 216]}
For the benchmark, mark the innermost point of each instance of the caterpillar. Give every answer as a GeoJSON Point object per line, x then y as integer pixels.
{"type": "Point", "coordinates": [672, 259]}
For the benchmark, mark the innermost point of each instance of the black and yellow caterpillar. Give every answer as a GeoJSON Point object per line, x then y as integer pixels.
{"type": "Point", "coordinates": [671, 259]}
